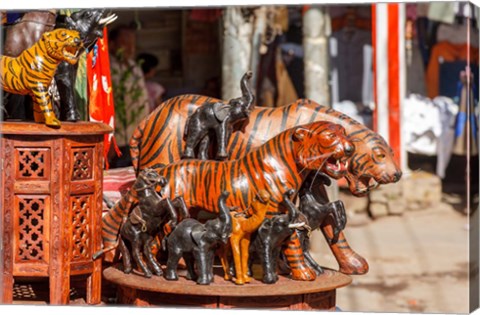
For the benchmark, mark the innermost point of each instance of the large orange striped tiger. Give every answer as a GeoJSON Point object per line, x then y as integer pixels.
{"type": "Point", "coordinates": [33, 70]}
{"type": "Point", "coordinates": [157, 141]}
{"type": "Point", "coordinates": [279, 165]}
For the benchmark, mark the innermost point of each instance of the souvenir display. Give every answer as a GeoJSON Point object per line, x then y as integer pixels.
{"type": "Point", "coordinates": [279, 165]}
{"type": "Point", "coordinates": [370, 165]}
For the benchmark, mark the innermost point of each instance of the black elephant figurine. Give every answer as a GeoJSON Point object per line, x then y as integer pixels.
{"type": "Point", "coordinates": [197, 242]}
{"type": "Point", "coordinates": [89, 23]}
{"type": "Point", "coordinates": [216, 119]}
{"type": "Point", "coordinates": [143, 224]}
{"type": "Point", "coordinates": [267, 241]}
{"type": "Point", "coordinates": [316, 214]}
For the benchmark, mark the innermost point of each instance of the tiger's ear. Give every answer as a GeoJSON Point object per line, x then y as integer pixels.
{"type": "Point", "coordinates": [300, 133]}
{"type": "Point", "coordinates": [46, 35]}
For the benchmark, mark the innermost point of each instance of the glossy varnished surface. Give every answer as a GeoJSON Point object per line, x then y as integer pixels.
{"type": "Point", "coordinates": [330, 280]}
{"type": "Point", "coordinates": [67, 128]}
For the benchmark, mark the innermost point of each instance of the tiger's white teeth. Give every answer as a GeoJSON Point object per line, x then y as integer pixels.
{"type": "Point", "coordinates": [346, 165]}
{"type": "Point", "coordinates": [338, 163]}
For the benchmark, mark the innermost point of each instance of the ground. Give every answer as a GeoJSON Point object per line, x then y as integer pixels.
{"type": "Point", "coordinates": [418, 262]}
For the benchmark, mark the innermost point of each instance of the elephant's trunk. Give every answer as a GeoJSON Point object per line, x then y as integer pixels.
{"type": "Point", "coordinates": [172, 214]}
{"type": "Point", "coordinates": [292, 212]}
{"type": "Point", "coordinates": [247, 93]}
{"type": "Point", "coordinates": [225, 217]}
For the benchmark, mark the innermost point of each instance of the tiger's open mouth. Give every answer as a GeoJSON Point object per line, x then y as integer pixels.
{"type": "Point", "coordinates": [336, 168]}
{"type": "Point", "coordinates": [71, 52]}
{"type": "Point", "coordinates": [360, 187]}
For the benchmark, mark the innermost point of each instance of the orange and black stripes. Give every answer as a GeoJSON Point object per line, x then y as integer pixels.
{"type": "Point", "coordinates": [275, 167]}
{"type": "Point", "coordinates": [293, 253]}
{"type": "Point", "coordinates": [158, 140]}
{"type": "Point", "coordinates": [201, 182]}
{"type": "Point", "coordinates": [112, 221]}
{"type": "Point", "coordinates": [33, 70]}
{"type": "Point", "coordinates": [280, 164]}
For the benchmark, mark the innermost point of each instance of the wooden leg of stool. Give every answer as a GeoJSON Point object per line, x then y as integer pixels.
{"type": "Point", "coordinates": [94, 284]}
{"type": "Point", "coordinates": [6, 289]}
{"type": "Point", "coordinates": [59, 289]}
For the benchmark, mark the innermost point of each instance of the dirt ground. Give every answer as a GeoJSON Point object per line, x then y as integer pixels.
{"type": "Point", "coordinates": [418, 263]}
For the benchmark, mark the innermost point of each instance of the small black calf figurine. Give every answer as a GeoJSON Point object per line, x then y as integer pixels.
{"type": "Point", "coordinates": [267, 241]}
{"type": "Point", "coordinates": [216, 118]}
{"type": "Point", "coordinates": [144, 223]}
{"type": "Point", "coordinates": [196, 243]}
{"type": "Point", "coordinates": [317, 214]}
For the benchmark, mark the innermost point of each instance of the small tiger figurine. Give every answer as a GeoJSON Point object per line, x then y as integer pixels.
{"type": "Point", "coordinates": [33, 70]}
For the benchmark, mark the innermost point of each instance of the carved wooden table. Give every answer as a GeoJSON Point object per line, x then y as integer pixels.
{"type": "Point", "coordinates": [286, 294]}
{"type": "Point", "coordinates": [51, 198]}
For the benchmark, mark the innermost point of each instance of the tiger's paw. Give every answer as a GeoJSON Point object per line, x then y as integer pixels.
{"type": "Point", "coordinates": [353, 264]}
{"type": "Point", "coordinates": [303, 273]}
{"type": "Point", "coordinates": [52, 122]}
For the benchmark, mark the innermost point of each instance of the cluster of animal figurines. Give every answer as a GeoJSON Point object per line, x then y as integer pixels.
{"type": "Point", "coordinates": [39, 60]}
{"type": "Point", "coordinates": [266, 201]}
{"type": "Point", "coordinates": [244, 237]}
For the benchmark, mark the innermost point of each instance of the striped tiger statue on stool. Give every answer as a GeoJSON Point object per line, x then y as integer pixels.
{"type": "Point", "coordinates": [33, 70]}
{"type": "Point", "coordinates": [281, 164]}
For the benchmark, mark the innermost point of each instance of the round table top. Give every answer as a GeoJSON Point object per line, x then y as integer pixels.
{"type": "Point", "coordinates": [328, 281]}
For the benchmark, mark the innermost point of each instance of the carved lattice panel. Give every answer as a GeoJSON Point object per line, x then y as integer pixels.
{"type": "Point", "coordinates": [31, 228]}
{"type": "Point", "coordinates": [82, 163]}
{"type": "Point", "coordinates": [81, 225]}
{"type": "Point", "coordinates": [32, 163]}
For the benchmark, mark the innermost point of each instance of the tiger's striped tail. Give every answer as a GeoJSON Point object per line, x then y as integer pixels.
{"type": "Point", "coordinates": [296, 261]}
{"type": "Point", "coordinates": [111, 223]}
{"type": "Point", "coordinates": [136, 143]}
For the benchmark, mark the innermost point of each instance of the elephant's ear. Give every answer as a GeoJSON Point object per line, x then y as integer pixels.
{"type": "Point", "coordinates": [221, 111]}
{"type": "Point", "coordinates": [197, 233]}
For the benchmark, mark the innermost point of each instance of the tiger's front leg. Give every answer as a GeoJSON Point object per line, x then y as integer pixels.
{"type": "Point", "coordinates": [42, 108]}
{"type": "Point", "coordinates": [350, 263]}
{"type": "Point", "coordinates": [296, 260]}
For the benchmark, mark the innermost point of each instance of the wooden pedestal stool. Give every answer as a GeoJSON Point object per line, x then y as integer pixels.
{"type": "Point", "coordinates": [51, 197]}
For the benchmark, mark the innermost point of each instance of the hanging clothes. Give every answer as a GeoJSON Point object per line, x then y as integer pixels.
{"type": "Point", "coordinates": [457, 34]}
{"type": "Point", "coordinates": [461, 132]}
{"type": "Point", "coordinates": [423, 126]}
{"type": "Point", "coordinates": [441, 52]}
{"type": "Point", "coordinates": [348, 71]}
{"type": "Point", "coordinates": [448, 112]}
{"type": "Point", "coordinates": [286, 92]}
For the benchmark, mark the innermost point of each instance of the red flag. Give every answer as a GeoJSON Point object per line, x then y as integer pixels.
{"type": "Point", "coordinates": [101, 107]}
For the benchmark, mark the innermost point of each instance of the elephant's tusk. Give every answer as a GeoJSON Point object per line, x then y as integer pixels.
{"type": "Point", "coordinates": [296, 225]}
{"type": "Point", "coordinates": [109, 19]}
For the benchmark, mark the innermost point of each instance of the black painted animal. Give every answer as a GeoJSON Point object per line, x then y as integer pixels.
{"type": "Point", "coordinates": [317, 213]}
{"type": "Point", "coordinates": [89, 23]}
{"type": "Point", "coordinates": [216, 119]}
{"type": "Point", "coordinates": [152, 214]}
{"type": "Point", "coordinates": [197, 242]}
{"type": "Point", "coordinates": [267, 242]}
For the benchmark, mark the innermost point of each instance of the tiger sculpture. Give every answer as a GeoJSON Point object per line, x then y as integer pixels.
{"type": "Point", "coordinates": [279, 165]}
{"type": "Point", "coordinates": [156, 143]}
{"type": "Point", "coordinates": [33, 70]}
